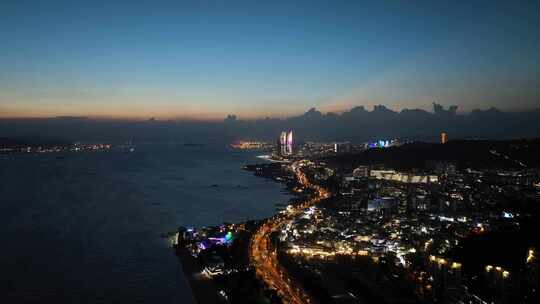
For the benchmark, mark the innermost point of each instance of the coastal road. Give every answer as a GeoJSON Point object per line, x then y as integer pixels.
{"type": "Point", "coordinates": [263, 255]}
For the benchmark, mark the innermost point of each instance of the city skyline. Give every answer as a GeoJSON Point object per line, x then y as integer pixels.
{"type": "Point", "coordinates": [256, 151]}
{"type": "Point", "coordinates": [193, 60]}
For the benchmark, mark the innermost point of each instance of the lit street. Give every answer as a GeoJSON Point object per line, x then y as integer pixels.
{"type": "Point", "coordinates": [263, 254]}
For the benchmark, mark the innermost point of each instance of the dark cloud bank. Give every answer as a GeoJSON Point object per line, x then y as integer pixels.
{"type": "Point", "coordinates": [356, 125]}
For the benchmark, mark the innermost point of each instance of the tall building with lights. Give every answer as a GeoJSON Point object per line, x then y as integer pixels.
{"type": "Point", "coordinates": [283, 138]}
{"type": "Point", "coordinates": [286, 143]}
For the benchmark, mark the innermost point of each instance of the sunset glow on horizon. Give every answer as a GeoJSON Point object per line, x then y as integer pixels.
{"type": "Point", "coordinates": [193, 60]}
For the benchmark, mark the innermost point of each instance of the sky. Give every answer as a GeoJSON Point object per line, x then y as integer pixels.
{"type": "Point", "coordinates": [202, 59]}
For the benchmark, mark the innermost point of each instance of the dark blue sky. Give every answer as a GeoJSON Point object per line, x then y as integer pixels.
{"type": "Point", "coordinates": [203, 59]}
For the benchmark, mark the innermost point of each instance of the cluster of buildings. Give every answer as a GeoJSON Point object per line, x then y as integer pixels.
{"type": "Point", "coordinates": [413, 228]}
{"type": "Point", "coordinates": [252, 145]}
{"type": "Point", "coordinates": [205, 245]}
{"type": "Point", "coordinates": [412, 178]}
{"type": "Point", "coordinates": [55, 148]}
{"type": "Point", "coordinates": [382, 144]}
{"type": "Point", "coordinates": [310, 148]}
{"type": "Point", "coordinates": [287, 147]}
{"type": "Point", "coordinates": [417, 221]}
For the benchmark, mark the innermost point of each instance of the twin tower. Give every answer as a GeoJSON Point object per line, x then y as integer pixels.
{"type": "Point", "coordinates": [285, 143]}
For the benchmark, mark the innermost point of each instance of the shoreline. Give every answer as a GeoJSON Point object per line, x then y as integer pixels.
{"type": "Point", "coordinates": [270, 159]}
{"type": "Point", "coordinates": [205, 290]}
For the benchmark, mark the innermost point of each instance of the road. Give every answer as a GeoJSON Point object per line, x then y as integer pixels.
{"type": "Point", "coordinates": [263, 255]}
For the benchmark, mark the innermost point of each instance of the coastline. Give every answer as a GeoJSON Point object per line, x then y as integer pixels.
{"type": "Point", "coordinates": [270, 159]}
{"type": "Point", "coordinates": [205, 289]}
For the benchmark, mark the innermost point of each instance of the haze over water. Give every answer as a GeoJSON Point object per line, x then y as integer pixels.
{"type": "Point", "coordinates": [86, 228]}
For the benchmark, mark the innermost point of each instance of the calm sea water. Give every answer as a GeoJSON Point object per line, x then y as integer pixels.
{"type": "Point", "coordinates": [86, 228]}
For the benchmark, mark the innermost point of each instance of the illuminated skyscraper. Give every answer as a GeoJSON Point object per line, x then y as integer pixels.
{"type": "Point", "coordinates": [286, 143]}
{"type": "Point", "coordinates": [289, 138]}
{"type": "Point", "coordinates": [444, 138]}
{"type": "Point", "coordinates": [283, 138]}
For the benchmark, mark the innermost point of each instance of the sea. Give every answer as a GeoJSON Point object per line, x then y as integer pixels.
{"type": "Point", "coordinates": [87, 227]}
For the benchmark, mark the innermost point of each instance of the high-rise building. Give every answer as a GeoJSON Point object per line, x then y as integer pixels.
{"type": "Point", "coordinates": [340, 147]}
{"type": "Point", "coordinates": [286, 143]}
{"type": "Point", "coordinates": [283, 138]}
{"type": "Point", "coordinates": [444, 137]}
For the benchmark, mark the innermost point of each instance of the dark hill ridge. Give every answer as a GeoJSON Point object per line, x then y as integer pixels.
{"type": "Point", "coordinates": [481, 154]}
{"type": "Point", "coordinates": [360, 125]}
{"type": "Point", "coordinates": [356, 125]}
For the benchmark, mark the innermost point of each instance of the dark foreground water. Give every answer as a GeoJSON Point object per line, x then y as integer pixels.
{"type": "Point", "coordinates": [85, 228]}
